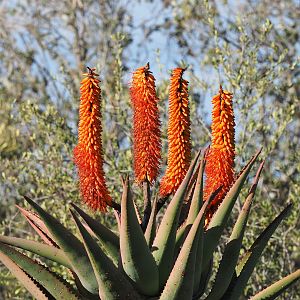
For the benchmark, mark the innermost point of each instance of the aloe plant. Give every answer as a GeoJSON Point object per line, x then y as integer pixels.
{"type": "Point", "coordinates": [168, 260]}
{"type": "Point", "coordinates": [133, 265]}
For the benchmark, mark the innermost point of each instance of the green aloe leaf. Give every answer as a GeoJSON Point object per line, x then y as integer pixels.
{"type": "Point", "coordinates": [109, 240]}
{"type": "Point", "coordinates": [47, 251]}
{"type": "Point", "coordinates": [197, 199]}
{"type": "Point", "coordinates": [137, 260]}
{"type": "Point", "coordinates": [23, 278]}
{"type": "Point", "coordinates": [164, 242]}
{"type": "Point", "coordinates": [181, 234]}
{"type": "Point", "coordinates": [151, 227]}
{"type": "Point", "coordinates": [56, 287]}
{"type": "Point", "coordinates": [38, 225]}
{"type": "Point", "coordinates": [187, 199]}
{"type": "Point", "coordinates": [203, 282]}
{"type": "Point", "coordinates": [233, 247]}
{"type": "Point", "coordinates": [112, 283]}
{"type": "Point", "coordinates": [179, 284]}
{"type": "Point", "coordinates": [278, 287]}
{"type": "Point", "coordinates": [199, 256]}
{"type": "Point", "coordinates": [219, 219]}
{"type": "Point", "coordinates": [196, 203]}
{"type": "Point", "coordinates": [72, 248]}
{"type": "Point", "coordinates": [246, 267]}
{"type": "Point", "coordinates": [138, 215]}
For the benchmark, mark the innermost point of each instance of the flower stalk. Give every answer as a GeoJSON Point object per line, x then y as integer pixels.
{"type": "Point", "coordinates": [146, 126]}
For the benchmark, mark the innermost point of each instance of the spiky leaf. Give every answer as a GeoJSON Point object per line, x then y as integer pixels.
{"type": "Point", "coordinates": [199, 255]}
{"type": "Point", "coordinates": [278, 287]}
{"type": "Point", "coordinates": [233, 247]}
{"type": "Point", "coordinates": [247, 266]}
{"type": "Point", "coordinates": [219, 219]}
{"type": "Point", "coordinates": [38, 225]}
{"type": "Point", "coordinates": [164, 243]}
{"type": "Point", "coordinates": [196, 203]}
{"type": "Point", "coordinates": [109, 240]}
{"type": "Point", "coordinates": [179, 284]}
{"type": "Point", "coordinates": [44, 250]}
{"type": "Point", "coordinates": [112, 283]}
{"type": "Point", "coordinates": [137, 260]}
{"type": "Point", "coordinates": [72, 248]}
{"type": "Point", "coordinates": [197, 199]}
{"type": "Point", "coordinates": [203, 281]}
{"type": "Point", "coordinates": [23, 277]}
{"type": "Point", "coordinates": [56, 287]}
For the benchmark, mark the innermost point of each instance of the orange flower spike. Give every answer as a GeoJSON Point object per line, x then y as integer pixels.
{"type": "Point", "coordinates": [220, 158]}
{"type": "Point", "coordinates": [179, 152]}
{"type": "Point", "coordinates": [146, 126]}
{"type": "Point", "coordinates": [88, 154]}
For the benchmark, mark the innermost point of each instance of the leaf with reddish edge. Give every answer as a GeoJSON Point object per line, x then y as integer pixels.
{"type": "Point", "coordinates": [38, 225]}
{"type": "Point", "coordinates": [195, 206]}
{"type": "Point", "coordinates": [56, 286]}
{"type": "Point", "coordinates": [151, 227]}
{"type": "Point", "coordinates": [113, 285]}
{"type": "Point", "coordinates": [47, 251]}
{"type": "Point", "coordinates": [23, 277]}
{"type": "Point", "coordinates": [72, 247]}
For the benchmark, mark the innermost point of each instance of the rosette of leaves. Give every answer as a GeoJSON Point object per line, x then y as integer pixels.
{"type": "Point", "coordinates": [170, 260]}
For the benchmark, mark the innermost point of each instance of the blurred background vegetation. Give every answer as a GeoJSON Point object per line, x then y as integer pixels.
{"type": "Point", "coordinates": [250, 47]}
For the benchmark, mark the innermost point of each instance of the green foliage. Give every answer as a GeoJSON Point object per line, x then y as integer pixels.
{"type": "Point", "coordinates": [145, 272]}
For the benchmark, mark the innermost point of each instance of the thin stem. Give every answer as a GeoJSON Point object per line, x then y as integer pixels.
{"type": "Point", "coordinates": [147, 203]}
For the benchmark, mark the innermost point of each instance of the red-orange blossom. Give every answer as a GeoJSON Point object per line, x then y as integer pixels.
{"type": "Point", "coordinates": [88, 154]}
{"type": "Point", "coordinates": [220, 157]}
{"type": "Point", "coordinates": [179, 143]}
{"type": "Point", "coordinates": [146, 126]}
